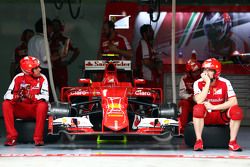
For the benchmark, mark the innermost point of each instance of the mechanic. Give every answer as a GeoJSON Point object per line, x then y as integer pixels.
{"type": "Point", "coordinates": [216, 104]}
{"type": "Point", "coordinates": [114, 46]}
{"type": "Point", "coordinates": [27, 98]}
{"type": "Point", "coordinates": [186, 103]}
{"type": "Point", "coordinates": [36, 47]}
{"type": "Point", "coordinates": [62, 54]}
{"type": "Point", "coordinates": [21, 51]}
{"type": "Point", "coordinates": [147, 65]}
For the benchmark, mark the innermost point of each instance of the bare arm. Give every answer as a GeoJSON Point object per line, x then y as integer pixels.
{"type": "Point", "coordinates": [127, 54]}
{"type": "Point", "coordinates": [200, 98]}
{"type": "Point", "coordinates": [231, 102]}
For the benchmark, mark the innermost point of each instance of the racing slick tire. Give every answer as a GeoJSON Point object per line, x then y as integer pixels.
{"type": "Point", "coordinates": [25, 129]}
{"type": "Point", "coordinates": [214, 136]}
{"type": "Point", "coordinates": [163, 138]}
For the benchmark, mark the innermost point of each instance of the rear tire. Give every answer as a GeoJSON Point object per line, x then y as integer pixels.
{"type": "Point", "coordinates": [26, 129]}
{"type": "Point", "coordinates": [214, 136]}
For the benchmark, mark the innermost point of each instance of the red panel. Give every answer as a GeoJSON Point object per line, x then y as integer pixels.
{"type": "Point", "coordinates": [118, 8]}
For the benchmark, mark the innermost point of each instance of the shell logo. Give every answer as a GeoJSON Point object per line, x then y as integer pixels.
{"type": "Point", "coordinates": [64, 120]}
{"type": "Point", "coordinates": [114, 105]}
{"type": "Point", "coordinates": [166, 121]}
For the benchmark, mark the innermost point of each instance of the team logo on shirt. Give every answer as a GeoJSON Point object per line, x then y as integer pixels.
{"type": "Point", "coordinates": [116, 43]}
{"type": "Point", "coordinates": [217, 91]}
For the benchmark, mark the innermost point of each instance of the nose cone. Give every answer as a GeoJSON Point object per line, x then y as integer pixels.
{"type": "Point", "coordinates": [114, 104]}
{"type": "Point", "coordinates": [115, 121]}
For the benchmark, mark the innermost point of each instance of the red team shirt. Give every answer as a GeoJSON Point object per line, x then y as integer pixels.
{"type": "Point", "coordinates": [26, 85]}
{"type": "Point", "coordinates": [219, 93]}
{"type": "Point", "coordinates": [119, 41]}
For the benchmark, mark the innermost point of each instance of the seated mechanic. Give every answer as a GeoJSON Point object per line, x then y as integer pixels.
{"type": "Point", "coordinates": [27, 98]}
{"type": "Point", "coordinates": [216, 104]}
{"type": "Point", "coordinates": [186, 103]}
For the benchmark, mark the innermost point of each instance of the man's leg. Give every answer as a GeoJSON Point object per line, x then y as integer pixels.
{"type": "Point", "coordinates": [8, 114]}
{"type": "Point", "coordinates": [235, 114]}
{"type": "Point", "coordinates": [185, 108]}
{"type": "Point", "coordinates": [198, 127]}
{"type": "Point", "coordinates": [199, 112]}
{"type": "Point", "coordinates": [40, 116]}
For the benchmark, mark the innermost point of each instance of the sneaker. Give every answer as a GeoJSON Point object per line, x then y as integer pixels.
{"type": "Point", "coordinates": [39, 143]}
{"type": "Point", "coordinates": [10, 142]}
{"type": "Point", "coordinates": [136, 122]}
{"type": "Point", "coordinates": [198, 146]}
{"type": "Point", "coordinates": [234, 146]}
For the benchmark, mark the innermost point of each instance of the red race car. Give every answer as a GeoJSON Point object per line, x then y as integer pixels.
{"type": "Point", "coordinates": [110, 102]}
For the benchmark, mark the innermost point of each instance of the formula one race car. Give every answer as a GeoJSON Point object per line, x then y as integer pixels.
{"type": "Point", "coordinates": [110, 103]}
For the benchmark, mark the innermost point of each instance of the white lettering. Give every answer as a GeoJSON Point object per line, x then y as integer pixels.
{"type": "Point", "coordinates": [216, 100]}
{"type": "Point", "coordinates": [141, 93]}
{"type": "Point", "coordinates": [79, 92]}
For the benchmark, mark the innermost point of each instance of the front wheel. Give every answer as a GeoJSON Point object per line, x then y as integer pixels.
{"type": "Point", "coordinates": [163, 138]}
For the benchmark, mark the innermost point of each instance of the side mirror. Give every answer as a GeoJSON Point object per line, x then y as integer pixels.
{"type": "Point", "coordinates": [85, 81]}
{"type": "Point", "coordinates": [139, 81]}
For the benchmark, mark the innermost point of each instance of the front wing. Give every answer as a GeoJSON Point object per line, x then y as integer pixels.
{"type": "Point", "coordinates": [83, 126]}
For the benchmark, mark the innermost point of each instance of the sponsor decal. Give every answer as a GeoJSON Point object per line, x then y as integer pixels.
{"type": "Point", "coordinates": [79, 92]}
{"type": "Point", "coordinates": [115, 115]}
{"type": "Point", "coordinates": [37, 86]}
{"type": "Point", "coordinates": [101, 64]}
{"type": "Point", "coordinates": [166, 121]}
{"type": "Point", "coordinates": [142, 93]}
{"type": "Point", "coordinates": [217, 91]}
{"type": "Point", "coordinates": [216, 100]}
{"type": "Point", "coordinates": [114, 105]}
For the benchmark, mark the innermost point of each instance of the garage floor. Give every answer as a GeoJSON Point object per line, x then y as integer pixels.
{"type": "Point", "coordinates": [138, 151]}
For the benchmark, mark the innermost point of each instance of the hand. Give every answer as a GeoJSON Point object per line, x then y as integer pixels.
{"type": "Point", "coordinates": [16, 98]}
{"type": "Point", "coordinates": [205, 77]}
{"type": "Point", "coordinates": [209, 106]}
{"type": "Point", "coordinates": [113, 48]}
{"type": "Point", "coordinates": [30, 96]}
{"type": "Point", "coordinates": [191, 98]}
{"type": "Point", "coordinates": [26, 95]}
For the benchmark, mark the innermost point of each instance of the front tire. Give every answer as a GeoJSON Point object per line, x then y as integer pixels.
{"type": "Point", "coordinates": [163, 138]}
